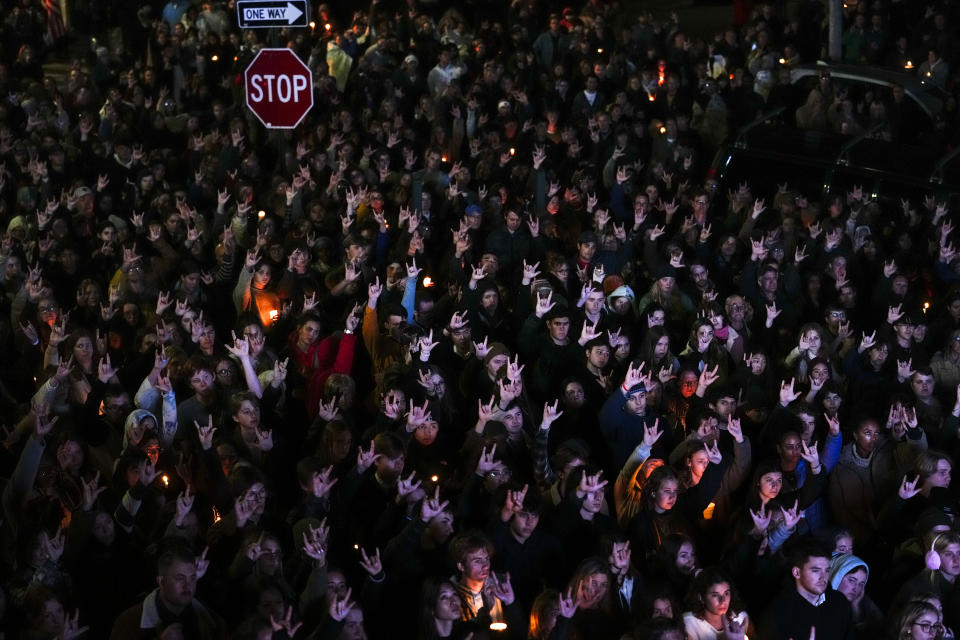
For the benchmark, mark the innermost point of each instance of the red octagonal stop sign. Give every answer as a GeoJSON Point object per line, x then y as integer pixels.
{"type": "Point", "coordinates": [279, 88]}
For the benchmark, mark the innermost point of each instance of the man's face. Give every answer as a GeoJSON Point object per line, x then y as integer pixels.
{"type": "Point", "coordinates": [201, 381]}
{"type": "Point", "coordinates": [725, 407]}
{"type": "Point", "coordinates": [586, 251]}
{"type": "Point", "coordinates": [878, 356]}
{"type": "Point", "coordinates": [637, 403]}
{"type": "Point", "coordinates": [512, 420]}
{"type": "Point", "coordinates": [475, 565]}
{"type": "Point", "coordinates": [598, 356]}
{"type": "Point", "coordinates": [594, 302]}
{"type": "Point", "coordinates": [523, 525]}
{"type": "Point", "coordinates": [813, 576]}
{"type": "Point", "coordinates": [389, 469]}
{"type": "Point", "coordinates": [922, 385]}
{"type": "Point", "coordinates": [904, 331]}
{"type": "Point", "coordinates": [178, 584]}
{"type": "Point", "coordinates": [512, 221]}
{"type": "Point", "coordinates": [573, 395]}
{"type": "Point", "coordinates": [941, 476]}
{"type": "Point", "coordinates": [559, 328]}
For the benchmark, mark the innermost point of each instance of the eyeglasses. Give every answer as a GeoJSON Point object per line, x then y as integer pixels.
{"type": "Point", "coordinates": [838, 314]}
{"type": "Point", "coordinates": [927, 627]}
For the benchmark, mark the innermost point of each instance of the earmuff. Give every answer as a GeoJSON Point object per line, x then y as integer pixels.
{"type": "Point", "coordinates": [932, 558]}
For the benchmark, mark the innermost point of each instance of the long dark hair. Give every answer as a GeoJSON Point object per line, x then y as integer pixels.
{"type": "Point", "coordinates": [696, 597]}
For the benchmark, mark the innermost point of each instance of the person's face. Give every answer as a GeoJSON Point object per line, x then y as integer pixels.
{"type": "Point", "coordinates": [661, 348]}
{"type": "Point", "coordinates": [226, 372]}
{"type": "Point", "coordinates": [844, 544]}
{"type": "Point", "coordinates": [426, 433]}
{"type": "Point", "coordinates": [769, 281]}
{"type": "Point", "coordinates": [356, 253]}
{"type": "Point", "coordinates": [475, 566]}
{"type": "Point", "coordinates": [688, 384]}
{"type": "Point", "coordinates": [490, 300]}
{"type": "Point", "coordinates": [559, 328]}
{"type": "Point", "coordinates": [512, 221]}
{"type": "Point", "coordinates": [697, 463]}
{"type": "Point", "coordinates": [637, 403]}
{"type": "Point", "coordinates": [904, 331]}
{"type": "Point", "coordinates": [927, 626]}
{"type": "Point", "coordinates": [353, 626]}
{"type": "Point", "coordinates": [512, 420]}
{"type": "Point", "coordinates": [665, 497]}
{"type": "Point", "coordinates": [389, 469]}
{"type": "Point", "coordinates": [308, 333]}
{"type": "Point", "coordinates": [573, 395]}
{"type": "Point", "coordinates": [950, 561]}
{"type": "Point", "coordinates": [51, 617]}
{"type": "Point", "coordinates": [704, 334]}
{"type": "Point", "coordinates": [586, 251]}
{"type": "Point", "coordinates": [178, 584]}
{"type": "Point", "coordinates": [103, 529]}
{"type": "Point", "coordinates": [490, 264]}
{"type": "Point", "coordinates": [878, 356]}
{"type": "Point", "coordinates": [941, 476]}
{"type": "Point", "coordinates": [440, 527]}
{"type": "Point", "coordinates": [667, 284]}
{"type": "Point", "coordinates": [770, 485]}
{"type": "Point", "coordinates": [270, 604]}
{"type": "Point", "coordinates": [496, 363]}
{"type": "Point", "coordinates": [70, 456]}
{"type": "Point", "coordinates": [853, 584]}
{"type": "Point", "coordinates": [256, 498]}
{"type": "Point", "coordinates": [447, 607]}
{"type": "Point", "coordinates": [657, 318]}
{"type": "Point", "coordinates": [820, 373]}
{"type": "Point", "coordinates": [686, 559]}
{"type": "Point", "coordinates": [594, 302]}
{"type": "Point", "coordinates": [866, 437]}
{"type": "Point", "coordinates": [789, 449]}
{"type": "Point", "coordinates": [83, 349]}
{"type": "Point", "coordinates": [813, 339]}
{"type": "Point", "coordinates": [523, 524]}
{"type": "Point", "coordinates": [832, 402]}
{"type": "Point", "coordinates": [662, 609]}
{"type": "Point", "coordinates": [922, 385]}
{"type": "Point", "coordinates": [201, 381]}
{"type": "Point", "coordinates": [813, 576]}
{"type": "Point", "coordinates": [269, 562]}
{"type": "Point", "coordinates": [598, 356]}
{"type": "Point", "coordinates": [716, 600]}
{"type": "Point", "coordinates": [593, 502]}
{"type": "Point", "coordinates": [725, 406]}
{"type": "Point", "coordinates": [899, 286]}
{"type": "Point", "coordinates": [248, 415]}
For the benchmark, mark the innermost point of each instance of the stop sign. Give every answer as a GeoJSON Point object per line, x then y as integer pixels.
{"type": "Point", "coordinates": [279, 88]}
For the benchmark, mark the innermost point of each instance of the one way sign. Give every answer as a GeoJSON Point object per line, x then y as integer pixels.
{"type": "Point", "coordinates": [262, 14]}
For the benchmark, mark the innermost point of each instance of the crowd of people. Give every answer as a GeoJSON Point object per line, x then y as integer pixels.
{"type": "Point", "coordinates": [480, 349]}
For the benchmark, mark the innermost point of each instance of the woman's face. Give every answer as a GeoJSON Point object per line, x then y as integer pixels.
{"type": "Point", "coordinates": [717, 321]}
{"type": "Point", "coordinates": [770, 485]}
{"type": "Point", "coordinates": [686, 559]}
{"type": "Point", "coordinates": [665, 496]}
{"type": "Point", "coordinates": [661, 348]}
{"type": "Point", "coordinates": [853, 584]}
{"type": "Point", "coordinates": [813, 339]}
{"type": "Point", "coordinates": [103, 529]}
{"type": "Point", "coordinates": [716, 600]}
{"type": "Point", "coordinates": [261, 277]}
{"type": "Point", "coordinates": [704, 334]}
{"type": "Point", "coordinates": [308, 333]}
{"type": "Point", "coordinates": [925, 627]}
{"type": "Point", "coordinates": [83, 349]}
{"type": "Point", "coordinates": [341, 446]}
{"type": "Point", "coordinates": [447, 607]}
{"type": "Point", "coordinates": [596, 586]}
{"type": "Point", "coordinates": [950, 561]}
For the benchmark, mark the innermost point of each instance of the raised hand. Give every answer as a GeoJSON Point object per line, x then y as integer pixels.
{"type": "Point", "coordinates": [811, 455]}
{"type": "Point", "coordinates": [91, 491]}
{"type": "Point", "coordinates": [761, 518]}
{"type": "Point", "coordinates": [550, 414]}
{"type": "Point", "coordinates": [322, 482]}
{"type": "Point", "coordinates": [652, 433]}
{"type": "Point", "coordinates": [430, 508]}
{"type": "Point", "coordinates": [371, 563]}
{"type": "Point", "coordinates": [713, 453]}
{"type": "Point", "coordinates": [406, 486]}
{"type": "Point", "coordinates": [486, 463]}
{"type": "Point", "coordinates": [787, 392]}
{"type": "Point", "coordinates": [908, 488]}
{"type": "Point", "coordinates": [365, 458]}
{"type": "Point", "coordinates": [184, 505]}
{"type": "Point", "coordinates": [791, 516]}
{"type": "Point", "coordinates": [341, 607]}
{"type": "Point", "coordinates": [206, 433]}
